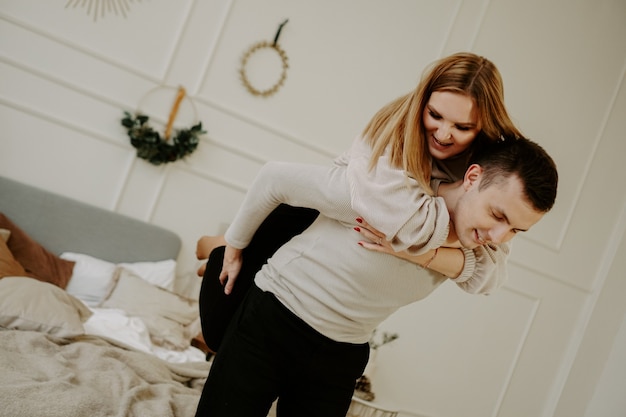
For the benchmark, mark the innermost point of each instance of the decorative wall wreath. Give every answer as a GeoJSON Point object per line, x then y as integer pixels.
{"type": "Point", "coordinates": [156, 149]}
{"type": "Point", "coordinates": [255, 48]}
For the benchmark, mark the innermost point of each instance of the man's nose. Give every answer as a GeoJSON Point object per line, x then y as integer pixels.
{"type": "Point", "coordinates": [500, 234]}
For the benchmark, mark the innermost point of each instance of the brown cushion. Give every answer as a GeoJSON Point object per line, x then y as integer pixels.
{"type": "Point", "coordinates": [9, 267]}
{"type": "Point", "coordinates": [36, 260]}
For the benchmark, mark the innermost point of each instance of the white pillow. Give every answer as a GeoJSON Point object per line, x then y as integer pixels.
{"type": "Point", "coordinates": [92, 277]}
{"type": "Point", "coordinates": [161, 273]}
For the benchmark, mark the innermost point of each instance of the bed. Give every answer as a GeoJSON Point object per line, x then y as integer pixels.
{"type": "Point", "coordinates": [90, 322]}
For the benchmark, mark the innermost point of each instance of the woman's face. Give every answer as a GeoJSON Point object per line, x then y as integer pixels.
{"type": "Point", "coordinates": [451, 123]}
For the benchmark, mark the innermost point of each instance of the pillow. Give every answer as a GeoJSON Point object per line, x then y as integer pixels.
{"type": "Point", "coordinates": [160, 273]}
{"type": "Point", "coordinates": [9, 267]}
{"type": "Point", "coordinates": [92, 277]}
{"type": "Point", "coordinates": [172, 320]}
{"type": "Point", "coordinates": [28, 304]}
{"type": "Point", "coordinates": [37, 262]}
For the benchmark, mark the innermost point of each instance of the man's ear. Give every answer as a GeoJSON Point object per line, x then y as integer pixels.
{"type": "Point", "coordinates": [472, 176]}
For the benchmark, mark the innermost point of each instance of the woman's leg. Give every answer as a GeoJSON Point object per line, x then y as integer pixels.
{"type": "Point", "coordinates": [242, 380]}
{"type": "Point", "coordinates": [217, 308]}
{"type": "Point", "coordinates": [204, 247]}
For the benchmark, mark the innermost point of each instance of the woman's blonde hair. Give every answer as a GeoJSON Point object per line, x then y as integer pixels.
{"type": "Point", "coordinates": [399, 125]}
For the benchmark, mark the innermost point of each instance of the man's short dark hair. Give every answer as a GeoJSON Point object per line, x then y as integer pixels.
{"type": "Point", "coordinates": [524, 158]}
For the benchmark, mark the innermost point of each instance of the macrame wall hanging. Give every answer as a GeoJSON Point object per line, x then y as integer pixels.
{"type": "Point", "coordinates": [175, 144]}
{"type": "Point", "coordinates": [261, 46]}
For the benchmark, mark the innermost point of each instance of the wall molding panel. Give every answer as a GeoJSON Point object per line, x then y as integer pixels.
{"type": "Point", "coordinates": [539, 346]}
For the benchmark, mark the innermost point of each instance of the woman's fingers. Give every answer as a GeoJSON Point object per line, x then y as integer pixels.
{"type": "Point", "coordinates": [373, 239]}
{"type": "Point", "coordinates": [372, 246]}
{"type": "Point", "coordinates": [369, 236]}
{"type": "Point", "coordinates": [370, 230]}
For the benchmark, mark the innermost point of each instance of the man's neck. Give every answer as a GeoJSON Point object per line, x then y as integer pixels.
{"type": "Point", "coordinates": [450, 192]}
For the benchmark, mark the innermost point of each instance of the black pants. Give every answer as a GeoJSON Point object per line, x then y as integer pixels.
{"type": "Point", "coordinates": [268, 353]}
{"type": "Point", "coordinates": [216, 308]}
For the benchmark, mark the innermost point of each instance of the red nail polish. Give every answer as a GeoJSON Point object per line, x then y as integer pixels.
{"type": "Point", "coordinates": [360, 243]}
{"type": "Point", "coordinates": [358, 229]}
{"type": "Point", "coordinates": [359, 220]}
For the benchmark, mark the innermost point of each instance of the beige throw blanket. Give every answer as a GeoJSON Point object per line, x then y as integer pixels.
{"type": "Point", "coordinates": [44, 376]}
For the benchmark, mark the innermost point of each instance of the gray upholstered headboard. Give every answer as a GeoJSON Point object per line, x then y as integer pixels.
{"type": "Point", "coordinates": [62, 224]}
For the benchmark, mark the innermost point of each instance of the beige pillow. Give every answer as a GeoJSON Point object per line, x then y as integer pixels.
{"type": "Point", "coordinates": [29, 304]}
{"type": "Point", "coordinates": [172, 320]}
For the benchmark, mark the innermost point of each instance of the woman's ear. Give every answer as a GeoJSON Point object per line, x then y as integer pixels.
{"type": "Point", "coordinates": [472, 176]}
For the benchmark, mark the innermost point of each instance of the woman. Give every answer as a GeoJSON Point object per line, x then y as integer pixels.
{"type": "Point", "coordinates": [427, 134]}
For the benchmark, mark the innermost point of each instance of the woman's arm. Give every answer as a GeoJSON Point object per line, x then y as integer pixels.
{"type": "Point", "coordinates": [446, 260]}
{"type": "Point", "coordinates": [394, 203]}
{"type": "Point", "coordinates": [327, 190]}
{"type": "Point", "coordinates": [300, 185]}
{"type": "Point", "coordinates": [478, 271]}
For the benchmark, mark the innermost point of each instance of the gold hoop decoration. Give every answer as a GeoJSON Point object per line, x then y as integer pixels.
{"type": "Point", "coordinates": [148, 142]}
{"type": "Point", "coordinates": [255, 48]}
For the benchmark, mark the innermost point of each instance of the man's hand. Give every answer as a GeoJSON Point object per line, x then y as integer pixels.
{"type": "Point", "coordinates": [230, 268]}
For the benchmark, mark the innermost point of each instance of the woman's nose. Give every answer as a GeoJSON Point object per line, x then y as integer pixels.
{"type": "Point", "coordinates": [444, 132]}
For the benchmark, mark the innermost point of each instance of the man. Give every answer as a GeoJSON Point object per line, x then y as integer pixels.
{"type": "Point", "coordinates": [301, 333]}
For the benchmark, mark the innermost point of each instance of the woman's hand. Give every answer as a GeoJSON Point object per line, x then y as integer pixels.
{"type": "Point", "coordinates": [374, 240]}
{"type": "Point", "coordinates": [445, 260]}
{"type": "Point", "coordinates": [230, 268]}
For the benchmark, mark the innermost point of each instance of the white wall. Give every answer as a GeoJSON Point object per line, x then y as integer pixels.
{"type": "Point", "coordinates": [608, 399]}
{"type": "Point", "coordinates": [537, 348]}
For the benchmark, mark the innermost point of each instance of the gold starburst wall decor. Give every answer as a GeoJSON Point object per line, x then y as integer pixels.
{"type": "Point", "coordinates": [100, 8]}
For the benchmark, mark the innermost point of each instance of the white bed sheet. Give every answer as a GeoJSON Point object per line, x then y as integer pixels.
{"type": "Point", "coordinates": [129, 331]}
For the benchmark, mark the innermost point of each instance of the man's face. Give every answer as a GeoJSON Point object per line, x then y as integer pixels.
{"type": "Point", "coordinates": [495, 213]}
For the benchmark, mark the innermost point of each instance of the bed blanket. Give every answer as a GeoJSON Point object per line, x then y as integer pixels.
{"type": "Point", "coordinates": [45, 376]}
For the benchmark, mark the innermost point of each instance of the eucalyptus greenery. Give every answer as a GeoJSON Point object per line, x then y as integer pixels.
{"type": "Point", "coordinates": [154, 149]}
{"type": "Point", "coordinates": [378, 341]}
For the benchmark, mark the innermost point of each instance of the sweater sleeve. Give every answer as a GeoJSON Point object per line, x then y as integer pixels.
{"type": "Point", "coordinates": [393, 203]}
{"type": "Point", "coordinates": [419, 222]}
{"type": "Point", "coordinates": [300, 185]}
{"type": "Point", "coordinates": [485, 269]}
